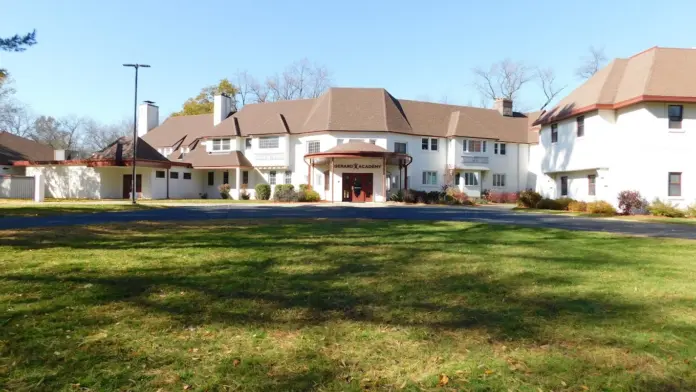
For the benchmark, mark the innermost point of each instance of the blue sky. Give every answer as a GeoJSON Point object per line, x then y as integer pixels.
{"type": "Point", "coordinates": [414, 49]}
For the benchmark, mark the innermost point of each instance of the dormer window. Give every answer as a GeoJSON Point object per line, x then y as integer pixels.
{"type": "Point", "coordinates": [222, 144]}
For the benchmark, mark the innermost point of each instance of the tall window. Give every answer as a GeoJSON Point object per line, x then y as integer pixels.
{"type": "Point", "coordinates": [225, 177]}
{"type": "Point", "coordinates": [591, 185]}
{"type": "Point", "coordinates": [313, 146]}
{"type": "Point", "coordinates": [580, 125]}
{"type": "Point", "coordinates": [474, 146]}
{"type": "Point", "coordinates": [676, 114]}
{"type": "Point", "coordinates": [211, 178]}
{"type": "Point", "coordinates": [245, 177]}
{"type": "Point", "coordinates": [429, 178]}
{"type": "Point", "coordinates": [424, 143]}
{"type": "Point", "coordinates": [288, 177]}
{"type": "Point", "coordinates": [499, 180]}
{"type": "Point", "coordinates": [327, 180]}
{"type": "Point", "coordinates": [554, 133]}
{"type": "Point", "coordinates": [675, 182]}
{"type": "Point", "coordinates": [433, 144]}
{"type": "Point", "coordinates": [470, 179]}
{"type": "Point", "coordinates": [457, 179]}
{"type": "Point", "coordinates": [247, 142]}
{"type": "Point", "coordinates": [269, 142]}
{"type": "Point", "coordinates": [564, 186]}
{"type": "Point", "coordinates": [222, 144]}
{"type": "Point", "coordinates": [272, 178]}
{"type": "Point", "coordinates": [400, 147]}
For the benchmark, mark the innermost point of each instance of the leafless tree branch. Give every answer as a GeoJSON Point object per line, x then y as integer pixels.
{"type": "Point", "coordinates": [547, 81]}
{"type": "Point", "coordinates": [503, 79]}
{"type": "Point", "coordinates": [591, 63]}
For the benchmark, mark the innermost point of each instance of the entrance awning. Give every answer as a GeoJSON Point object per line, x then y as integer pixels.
{"type": "Point", "coordinates": [358, 149]}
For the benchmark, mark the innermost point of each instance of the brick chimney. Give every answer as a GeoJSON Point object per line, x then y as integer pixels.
{"type": "Point", "coordinates": [503, 106]}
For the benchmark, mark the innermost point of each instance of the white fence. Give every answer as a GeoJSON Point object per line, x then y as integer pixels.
{"type": "Point", "coordinates": [17, 187]}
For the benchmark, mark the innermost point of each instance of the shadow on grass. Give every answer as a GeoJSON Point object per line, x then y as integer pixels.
{"type": "Point", "coordinates": [435, 277]}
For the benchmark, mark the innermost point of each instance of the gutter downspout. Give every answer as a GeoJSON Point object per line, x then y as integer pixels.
{"type": "Point", "coordinates": [167, 183]}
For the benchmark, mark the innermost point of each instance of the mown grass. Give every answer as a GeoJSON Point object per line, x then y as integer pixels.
{"type": "Point", "coordinates": [344, 305]}
{"type": "Point", "coordinates": [27, 209]}
{"type": "Point", "coordinates": [630, 218]}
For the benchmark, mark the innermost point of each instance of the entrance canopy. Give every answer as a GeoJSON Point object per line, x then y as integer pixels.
{"type": "Point", "coordinates": [358, 149]}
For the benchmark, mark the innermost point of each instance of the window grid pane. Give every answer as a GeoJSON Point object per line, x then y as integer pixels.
{"type": "Point", "coordinates": [502, 149]}
{"type": "Point", "coordinates": [272, 178]}
{"type": "Point", "coordinates": [433, 144]}
{"type": "Point", "coordinates": [288, 177]}
{"type": "Point", "coordinates": [674, 180]}
{"type": "Point", "coordinates": [554, 133]}
{"type": "Point", "coordinates": [400, 147]}
{"type": "Point", "coordinates": [269, 142]}
{"type": "Point", "coordinates": [424, 143]}
{"type": "Point", "coordinates": [581, 125]}
{"type": "Point", "coordinates": [245, 177]}
{"type": "Point", "coordinates": [313, 146]}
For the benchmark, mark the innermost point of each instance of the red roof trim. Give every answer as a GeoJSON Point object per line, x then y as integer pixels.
{"type": "Point", "coordinates": [101, 163]}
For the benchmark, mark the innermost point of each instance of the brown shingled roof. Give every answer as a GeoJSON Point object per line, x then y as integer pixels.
{"type": "Point", "coordinates": [15, 148]}
{"type": "Point", "coordinates": [198, 157]}
{"type": "Point", "coordinates": [655, 75]}
{"type": "Point", "coordinates": [122, 150]}
{"type": "Point", "coordinates": [179, 130]}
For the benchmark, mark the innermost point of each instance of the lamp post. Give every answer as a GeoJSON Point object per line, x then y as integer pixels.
{"type": "Point", "coordinates": [135, 123]}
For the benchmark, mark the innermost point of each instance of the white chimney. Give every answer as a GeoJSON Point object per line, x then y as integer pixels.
{"type": "Point", "coordinates": [222, 106]}
{"type": "Point", "coordinates": [148, 117]}
{"type": "Point", "coordinates": [59, 155]}
{"type": "Point", "coordinates": [503, 106]}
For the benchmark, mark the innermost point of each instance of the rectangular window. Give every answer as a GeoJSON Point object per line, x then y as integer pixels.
{"type": "Point", "coordinates": [676, 114]}
{"type": "Point", "coordinates": [502, 149]}
{"type": "Point", "coordinates": [269, 142]}
{"type": "Point", "coordinates": [429, 178]}
{"type": "Point", "coordinates": [187, 176]}
{"type": "Point", "coordinates": [591, 184]}
{"type": "Point", "coordinates": [424, 143]}
{"type": "Point", "coordinates": [245, 177]}
{"type": "Point", "coordinates": [159, 174]}
{"type": "Point", "coordinates": [580, 124]}
{"type": "Point", "coordinates": [313, 146]}
{"type": "Point", "coordinates": [247, 142]}
{"type": "Point", "coordinates": [474, 146]}
{"type": "Point", "coordinates": [554, 133]}
{"type": "Point", "coordinates": [271, 178]}
{"type": "Point", "coordinates": [457, 179]}
{"type": "Point", "coordinates": [433, 144]}
{"type": "Point", "coordinates": [499, 180]}
{"type": "Point", "coordinates": [564, 186]}
{"type": "Point", "coordinates": [470, 179]}
{"type": "Point", "coordinates": [495, 148]}
{"type": "Point", "coordinates": [222, 144]}
{"type": "Point", "coordinates": [400, 147]}
{"type": "Point", "coordinates": [174, 175]}
{"type": "Point", "coordinates": [674, 184]}
{"type": "Point", "coordinates": [288, 177]}
{"type": "Point", "coordinates": [225, 177]}
{"type": "Point", "coordinates": [211, 178]}
{"type": "Point", "coordinates": [327, 180]}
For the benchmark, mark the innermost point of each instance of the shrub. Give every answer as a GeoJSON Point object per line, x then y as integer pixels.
{"type": "Point", "coordinates": [433, 197]}
{"type": "Point", "coordinates": [224, 191]}
{"type": "Point", "coordinates": [511, 197]}
{"type": "Point", "coordinates": [485, 194]}
{"type": "Point", "coordinates": [631, 202]}
{"type": "Point", "coordinates": [421, 197]}
{"type": "Point", "coordinates": [284, 192]}
{"type": "Point", "coordinates": [305, 187]}
{"type": "Point", "coordinates": [661, 208]}
{"type": "Point", "coordinates": [398, 196]}
{"type": "Point", "coordinates": [409, 196]}
{"type": "Point", "coordinates": [577, 206]}
{"type": "Point", "coordinates": [528, 198]}
{"type": "Point", "coordinates": [691, 210]}
{"type": "Point", "coordinates": [548, 204]}
{"type": "Point", "coordinates": [203, 195]}
{"type": "Point", "coordinates": [454, 195]}
{"type": "Point", "coordinates": [263, 191]}
{"type": "Point", "coordinates": [308, 195]}
{"type": "Point", "coordinates": [564, 202]}
{"type": "Point", "coordinates": [601, 207]}
{"type": "Point", "coordinates": [244, 195]}
{"type": "Point", "coordinates": [500, 197]}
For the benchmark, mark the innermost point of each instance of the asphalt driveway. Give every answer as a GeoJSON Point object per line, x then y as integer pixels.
{"type": "Point", "coordinates": [434, 213]}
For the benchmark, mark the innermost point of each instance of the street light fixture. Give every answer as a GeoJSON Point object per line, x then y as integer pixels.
{"type": "Point", "coordinates": [135, 123]}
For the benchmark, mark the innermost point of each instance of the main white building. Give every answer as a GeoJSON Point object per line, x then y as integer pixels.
{"type": "Point", "coordinates": [632, 126]}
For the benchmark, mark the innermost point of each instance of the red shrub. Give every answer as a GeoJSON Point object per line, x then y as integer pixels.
{"type": "Point", "coordinates": [502, 197]}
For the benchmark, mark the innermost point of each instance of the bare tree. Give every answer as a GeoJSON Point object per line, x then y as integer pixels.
{"type": "Point", "coordinates": [591, 63]}
{"type": "Point", "coordinates": [97, 136]}
{"type": "Point", "coordinates": [300, 80]}
{"type": "Point", "coordinates": [260, 91]}
{"type": "Point", "coordinates": [503, 79]}
{"type": "Point", "coordinates": [244, 83]}
{"type": "Point", "coordinates": [547, 81]}
{"type": "Point", "coordinates": [15, 118]}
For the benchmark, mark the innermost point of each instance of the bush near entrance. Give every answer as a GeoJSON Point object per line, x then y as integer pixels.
{"type": "Point", "coordinates": [285, 192]}
{"type": "Point", "coordinates": [263, 191]}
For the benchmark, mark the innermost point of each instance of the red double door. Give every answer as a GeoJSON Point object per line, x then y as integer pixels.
{"type": "Point", "coordinates": [357, 187]}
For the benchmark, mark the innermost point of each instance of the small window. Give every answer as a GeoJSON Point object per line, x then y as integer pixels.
{"type": "Point", "coordinates": [676, 114]}
{"type": "Point", "coordinates": [429, 178]}
{"type": "Point", "coordinates": [269, 142]}
{"type": "Point", "coordinates": [495, 148]}
{"type": "Point", "coordinates": [222, 144]}
{"type": "Point", "coordinates": [433, 144]}
{"type": "Point", "coordinates": [502, 149]}
{"type": "Point", "coordinates": [313, 146]}
{"type": "Point", "coordinates": [288, 177]}
{"type": "Point", "coordinates": [424, 143]}
{"type": "Point", "coordinates": [211, 178]}
{"type": "Point", "coordinates": [483, 146]}
{"type": "Point", "coordinates": [457, 179]}
{"type": "Point", "coordinates": [187, 176]}
{"type": "Point", "coordinates": [564, 186]}
{"type": "Point", "coordinates": [174, 175]}
{"type": "Point", "coordinates": [400, 147]}
{"type": "Point", "coordinates": [225, 177]}
{"type": "Point", "coordinates": [272, 178]}
{"type": "Point", "coordinates": [247, 142]}
{"type": "Point", "coordinates": [470, 179]}
{"type": "Point", "coordinates": [591, 184]}
{"type": "Point", "coordinates": [499, 180]}
{"type": "Point", "coordinates": [554, 133]}
{"type": "Point", "coordinates": [474, 146]}
{"type": "Point", "coordinates": [373, 141]}
{"type": "Point", "coordinates": [159, 174]}
{"type": "Point", "coordinates": [675, 180]}
{"type": "Point", "coordinates": [499, 148]}
{"type": "Point", "coordinates": [245, 177]}
{"type": "Point", "coordinates": [580, 125]}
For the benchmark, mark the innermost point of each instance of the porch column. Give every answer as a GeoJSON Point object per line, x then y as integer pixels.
{"type": "Point", "coordinates": [331, 178]}
{"type": "Point", "coordinates": [384, 178]}
{"type": "Point", "coordinates": [309, 173]}
{"type": "Point", "coordinates": [238, 181]}
{"type": "Point", "coordinates": [406, 177]}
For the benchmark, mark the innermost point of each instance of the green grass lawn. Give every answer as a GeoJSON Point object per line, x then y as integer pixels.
{"type": "Point", "coordinates": [631, 218]}
{"type": "Point", "coordinates": [344, 305]}
{"type": "Point", "coordinates": [20, 209]}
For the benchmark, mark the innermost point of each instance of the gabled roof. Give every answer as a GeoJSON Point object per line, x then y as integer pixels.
{"type": "Point", "coordinates": [122, 150]}
{"type": "Point", "coordinates": [198, 157]}
{"type": "Point", "coordinates": [179, 130]}
{"type": "Point", "coordinates": [655, 75]}
{"type": "Point", "coordinates": [15, 148]}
